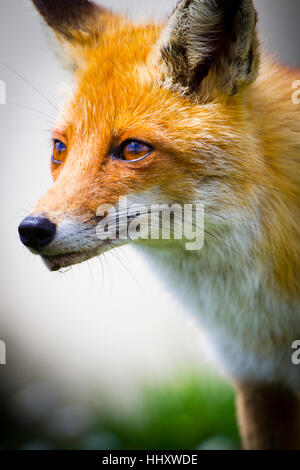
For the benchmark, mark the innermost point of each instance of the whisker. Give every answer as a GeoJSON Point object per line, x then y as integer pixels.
{"type": "Point", "coordinates": [120, 219]}
{"type": "Point", "coordinates": [99, 258]}
{"type": "Point", "coordinates": [126, 268]}
{"type": "Point", "coordinates": [29, 108]}
{"type": "Point", "coordinates": [90, 269]}
{"type": "Point", "coordinates": [25, 80]}
{"type": "Point", "coordinates": [48, 131]}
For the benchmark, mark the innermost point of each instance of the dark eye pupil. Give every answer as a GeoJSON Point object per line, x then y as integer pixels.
{"type": "Point", "coordinates": [59, 147]}
{"type": "Point", "coordinates": [135, 147]}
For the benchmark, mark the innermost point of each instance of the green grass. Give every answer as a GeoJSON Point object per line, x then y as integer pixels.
{"type": "Point", "coordinates": [179, 416]}
{"type": "Point", "coordinates": [188, 413]}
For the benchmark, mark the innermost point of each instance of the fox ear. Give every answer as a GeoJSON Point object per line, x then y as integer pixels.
{"type": "Point", "coordinates": [75, 23]}
{"type": "Point", "coordinates": [210, 47]}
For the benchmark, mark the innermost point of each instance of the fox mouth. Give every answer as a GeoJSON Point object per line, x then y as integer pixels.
{"type": "Point", "coordinates": [57, 262]}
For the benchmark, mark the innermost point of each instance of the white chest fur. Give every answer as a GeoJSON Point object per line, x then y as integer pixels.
{"type": "Point", "coordinates": [250, 328]}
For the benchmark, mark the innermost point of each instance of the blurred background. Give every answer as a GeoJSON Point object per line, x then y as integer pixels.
{"type": "Point", "coordinates": [100, 356]}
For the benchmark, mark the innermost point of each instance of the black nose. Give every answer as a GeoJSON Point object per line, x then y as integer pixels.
{"type": "Point", "coordinates": [36, 232]}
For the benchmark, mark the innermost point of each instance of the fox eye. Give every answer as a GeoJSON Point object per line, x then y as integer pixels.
{"type": "Point", "coordinates": [132, 151]}
{"type": "Point", "coordinates": [59, 148]}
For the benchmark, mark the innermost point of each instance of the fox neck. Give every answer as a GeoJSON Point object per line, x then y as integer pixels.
{"type": "Point", "coordinates": [224, 287]}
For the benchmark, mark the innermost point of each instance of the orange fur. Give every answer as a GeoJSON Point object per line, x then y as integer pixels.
{"type": "Point", "coordinates": [121, 99]}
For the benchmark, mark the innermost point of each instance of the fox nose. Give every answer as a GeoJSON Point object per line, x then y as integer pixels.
{"type": "Point", "coordinates": [36, 232]}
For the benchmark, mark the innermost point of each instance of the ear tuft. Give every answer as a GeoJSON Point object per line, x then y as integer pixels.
{"type": "Point", "coordinates": [63, 16]}
{"type": "Point", "coordinates": [210, 47]}
{"type": "Point", "coordinates": [75, 23]}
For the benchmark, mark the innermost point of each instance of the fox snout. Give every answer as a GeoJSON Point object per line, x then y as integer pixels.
{"type": "Point", "coordinates": [37, 232]}
{"type": "Point", "coordinates": [60, 241]}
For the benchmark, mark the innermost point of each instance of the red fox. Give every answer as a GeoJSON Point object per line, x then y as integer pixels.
{"type": "Point", "coordinates": [189, 112]}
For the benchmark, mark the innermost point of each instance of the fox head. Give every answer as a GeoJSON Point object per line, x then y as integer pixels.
{"type": "Point", "coordinates": [158, 115]}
